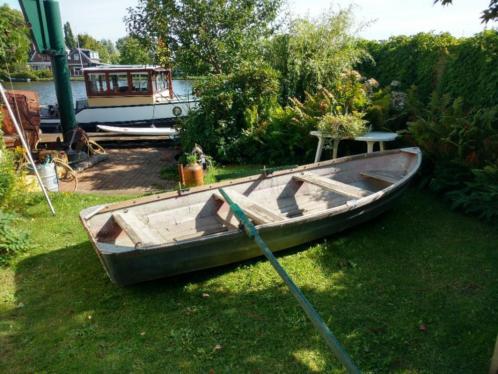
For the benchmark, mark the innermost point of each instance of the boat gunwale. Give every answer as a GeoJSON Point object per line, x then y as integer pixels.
{"type": "Point", "coordinates": [347, 206]}
{"type": "Point", "coordinates": [214, 186]}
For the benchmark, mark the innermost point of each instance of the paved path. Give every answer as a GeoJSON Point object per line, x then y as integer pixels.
{"type": "Point", "coordinates": [129, 171]}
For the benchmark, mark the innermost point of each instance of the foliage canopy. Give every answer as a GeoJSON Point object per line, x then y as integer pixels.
{"type": "Point", "coordinates": [203, 36]}
{"type": "Point", "coordinates": [14, 39]}
{"type": "Point", "coordinates": [69, 38]}
{"type": "Point", "coordinates": [132, 51]}
{"type": "Point", "coordinates": [315, 52]}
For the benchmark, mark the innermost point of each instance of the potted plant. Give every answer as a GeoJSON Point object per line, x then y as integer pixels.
{"type": "Point", "coordinates": [343, 126]}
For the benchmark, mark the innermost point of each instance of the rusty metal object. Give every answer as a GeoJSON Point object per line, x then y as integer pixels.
{"type": "Point", "coordinates": [26, 108]}
{"type": "Point", "coordinates": [193, 175]}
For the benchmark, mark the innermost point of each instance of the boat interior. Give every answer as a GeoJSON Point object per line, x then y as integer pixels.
{"type": "Point", "coordinates": [300, 192]}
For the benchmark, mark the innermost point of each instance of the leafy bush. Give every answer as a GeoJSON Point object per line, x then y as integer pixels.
{"type": "Point", "coordinates": [24, 74]}
{"type": "Point", "coordinates": [471, 71]}
{"type": "Point", "coordinates": [314, 53]}
{"type": "Point", "coordinates": [240, 119]}
{"type": "Point", "coordinates": [230, 105]}
{"type": "Point", "coordinates": [12, 241]}
{"type": "Point", "coordinates": [447, 132]}
{"type": "Point", "coordinates": [464, 67]}
{"type": "Point", "coordinates": [7, 174]}
{"type": "Point", "coordinates": [463, 149]}
{"type": "Point", "coordinates": [43, 74]}
{"type": "Point", "coordinates": [284, 138]}
{"type": "Point", "coordinates": [12, 197]}
{"type": "Point", "coordinates": [479, 195]}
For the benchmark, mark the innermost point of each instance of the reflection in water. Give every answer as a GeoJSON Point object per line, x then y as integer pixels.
{"type": "Point", "coordinates": [46, 89]}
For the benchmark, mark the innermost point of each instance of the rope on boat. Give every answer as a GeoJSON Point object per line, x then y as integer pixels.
{"type": "Point", "coordinates": [312, 314]}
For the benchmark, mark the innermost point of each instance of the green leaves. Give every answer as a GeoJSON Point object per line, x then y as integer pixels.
{"type": "Point", "coordinates": [204, 36]}
{"type": "Point", "coordinates": [12, 241]}
{"type": "Point", "coordinates": [132, 51]}
{"type": "Point", "coordinates": [14, 39]}
{"type": "Point", "coordinates": [315, 52]}
{"type": "Point", "coordinates": [230, 105]}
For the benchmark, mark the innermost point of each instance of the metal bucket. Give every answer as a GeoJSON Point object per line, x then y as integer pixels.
{"type": "Point", "coordinates": [48, 176]}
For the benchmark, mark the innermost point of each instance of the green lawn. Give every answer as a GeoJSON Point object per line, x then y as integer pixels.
{"type": "Point", "coordinates": [414, 291]}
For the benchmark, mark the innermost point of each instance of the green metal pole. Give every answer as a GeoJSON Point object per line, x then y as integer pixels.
{"type": "Point", "coordinates": [60, 68]}
{"type": "Point", "coordinates": [312, 314]}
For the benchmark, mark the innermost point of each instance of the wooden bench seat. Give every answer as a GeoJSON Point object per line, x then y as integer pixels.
{"type": "Point", "coordinates": [140, 233]}
{"type": "Point", "coordinates": [332, 185]}
{"type": "Point", "coordinates": [258, 213]}
{"type": "Point", "coordinates": [380, 176]}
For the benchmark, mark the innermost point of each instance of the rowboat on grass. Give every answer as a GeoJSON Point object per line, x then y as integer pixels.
{"type": "Point", "coordinates": [180, 232]}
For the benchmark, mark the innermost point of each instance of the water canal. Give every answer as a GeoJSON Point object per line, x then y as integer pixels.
{"type": "Point", "coordinates": [46, 89]}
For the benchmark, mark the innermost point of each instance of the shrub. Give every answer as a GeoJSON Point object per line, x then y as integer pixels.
{"type": "Point", "coordinates": [471, 71]}
{"type": "Point", "coordinates": [464, 67]}
{"type": "Point", "coordinates": [12, 241]}
{"type": "Point", "coordinates": [12, 197]}
{"type": "Point", "coordinates": [462, 147]}
{"type": "Point", "coordinates": [229, 106]}
{"type": "Point", "coordinates": [284, 138]}
{"type": "Point", "coordinates": [314, 53]}
{"type": "Point", "coordinates": [7, 174]}
{"type": "Point", "coordinates": [44, 73]}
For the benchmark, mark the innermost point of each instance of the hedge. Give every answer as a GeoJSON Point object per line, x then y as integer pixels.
{"type": "Point", "coordinates": [460, 67]}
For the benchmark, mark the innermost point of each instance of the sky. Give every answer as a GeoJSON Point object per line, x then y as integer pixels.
{"type": "Point", "coordinates": [104, 18]}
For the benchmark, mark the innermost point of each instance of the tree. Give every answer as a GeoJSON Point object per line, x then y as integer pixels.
{"type": "Point", "coordinates": [113, 53]}
{"type": "Point", "coordinates": [14, 39]}
{"type": "Point", "coordinates": [89, 42]}
{"type": "Point", "coordinates": [490, 14]}
{"type": "Point", "coordinates": [314, 53]}
{"type": "Point", "coordinates": [132, 51]}
{"type": "Point", "coordinates": [203, 36]}
{"type": "Point", "coordinates": [69, 39]}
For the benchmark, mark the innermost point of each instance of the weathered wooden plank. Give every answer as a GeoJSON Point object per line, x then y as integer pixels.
{"type": "Point", "coordinates": [258, 213]}
{"type": "Point", "coordinates": [137, 230]}
{"type": "Point", "coordinates": [332, 185]}
{"type": "Point", "coordinates": [383, 177]}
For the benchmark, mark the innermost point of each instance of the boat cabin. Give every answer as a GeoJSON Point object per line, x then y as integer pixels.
{"type": "Point", "coordinates": [123, 85]}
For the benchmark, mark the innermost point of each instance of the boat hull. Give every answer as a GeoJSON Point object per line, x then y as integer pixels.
{"type": "Point", "coordinates": [163, 112]}
{"type": "Point", "coordinates": [159, 115]}
{"type": "Point", "coordinates": [128, 267]}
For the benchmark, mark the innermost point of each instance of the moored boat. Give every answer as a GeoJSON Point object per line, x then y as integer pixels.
{"type": "Point", "coordinates": [180, 232]}
{"type": "Point", "coordinates": [126, 96]}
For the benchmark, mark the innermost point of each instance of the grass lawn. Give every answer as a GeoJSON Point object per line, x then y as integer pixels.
{"type": "Point", "coordinates": [413, 291]}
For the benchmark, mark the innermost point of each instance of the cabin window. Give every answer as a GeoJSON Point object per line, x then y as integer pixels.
{"type": "Point", "coordinates": [161, 83]}
{"type": "Point", "coordinates": [140, 82]}
{"type": "Point", "coordinates": [119, 82]}
{"type": "Point", "coordinates": [98, 83]}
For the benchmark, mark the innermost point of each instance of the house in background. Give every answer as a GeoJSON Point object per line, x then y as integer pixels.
{"type": "Point", "coordinates": [38, 61]}
{"type": "Point", "coordinates": [78, 59]}
{"type": "Point", "coordinates": [81, 58]}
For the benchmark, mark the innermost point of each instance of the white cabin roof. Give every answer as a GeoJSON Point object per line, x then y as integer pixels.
{"type": "Point", "coordinates": [97, 69]}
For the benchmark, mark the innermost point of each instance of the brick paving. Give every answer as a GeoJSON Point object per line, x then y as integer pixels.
{"type": "Point", "coordinates": [129, 171]}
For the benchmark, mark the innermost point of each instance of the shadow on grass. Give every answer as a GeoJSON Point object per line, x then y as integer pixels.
{"type": "Point", "coordinates": [402, 293]}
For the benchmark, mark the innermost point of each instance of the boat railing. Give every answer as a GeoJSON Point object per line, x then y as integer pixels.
{"type": "Point", "coordinates": [189, 98]}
